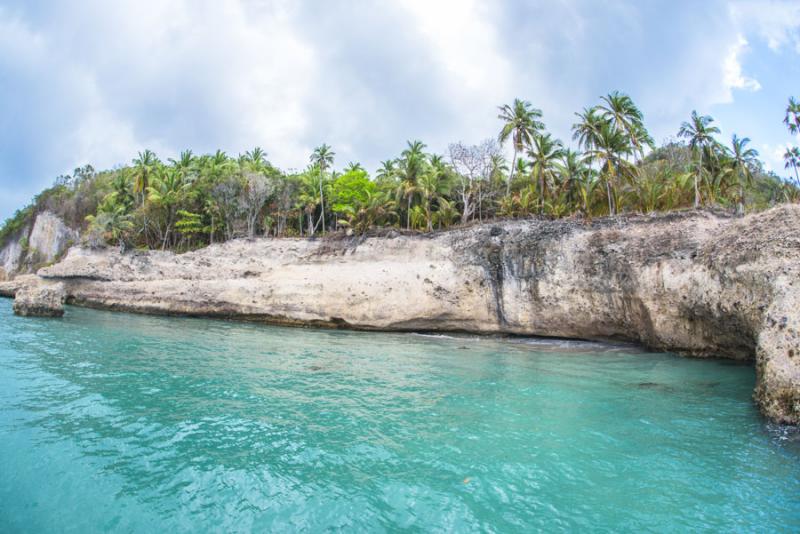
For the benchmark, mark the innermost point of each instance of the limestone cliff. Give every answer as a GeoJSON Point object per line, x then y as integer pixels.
{"type": "Point", "coordinates": [42, 243]}
{"type": "Point", "coordinates": [696, 283]}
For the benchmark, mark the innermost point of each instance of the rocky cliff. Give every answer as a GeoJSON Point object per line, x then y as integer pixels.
{"type": "Point", "coordinates": [695, 283]}
{"type": "Point", "coordinates": [40, 244]}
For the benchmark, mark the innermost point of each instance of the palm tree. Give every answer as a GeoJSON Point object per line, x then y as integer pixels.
{"type": "Point", "coordinates": [145, 165]}
{"type": "Point", "coordinates": [609, 148]}
{"type": "Point", "coordinates": [521, 123]}
{"type": "Point", "coordinates": [257, 157]}
{"type": "Point", "coordinates": [166, 191]}
{"type": "Point", "coordinates": [792, 118]}
{"type": "Point", "coordinates": [741, 160]}
{"type": "Point", "coordinates": [792, 158]}
{"type": "Point", "coordinates": [619, 109]}
{"type": "Point", "coordinates": [700, 134]}
{"type": "Point", "coordinates": [572, 171]}
{"type": "Point", "coordinates": [353, 167]}
{"type": "Point", "coordinates": [112, 222]}
{"type": "Point", "coordinates": [185, 164]}
{"type": "Point", "coordinates": [587, 129]}
{"type": "Point", "coordinates": [412, 165]}
{"type": "Point", "coordinates": [545, 153]}
{"type": "Point", "coordinates": [431, 187]}
{"type": "Point", "coordinates": [387, 171]}
{"type": "Point", "coordinates": [322, 157]}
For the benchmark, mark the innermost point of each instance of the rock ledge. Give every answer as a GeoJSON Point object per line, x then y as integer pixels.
{"type": "Point", "coordinates": [40, 300]}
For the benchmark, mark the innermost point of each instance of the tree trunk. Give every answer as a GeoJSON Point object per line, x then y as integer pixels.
{"type": "Point", "coordinates": [322, 201]}
{"type": "Point", "coordinates": [511, 173]}
{"type": "Point", "coordinates": [696, 186]}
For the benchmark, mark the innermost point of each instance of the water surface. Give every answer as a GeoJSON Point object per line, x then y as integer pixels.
{"type": "Point", "coordinates": [116, 422]}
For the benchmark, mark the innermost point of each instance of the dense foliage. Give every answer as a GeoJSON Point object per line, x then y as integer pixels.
{"type": "Point", "coordinates": [196, 200]}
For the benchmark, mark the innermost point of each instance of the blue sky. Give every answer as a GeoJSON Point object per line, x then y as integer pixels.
{"type": "Point", "coordinates": [96, 81]}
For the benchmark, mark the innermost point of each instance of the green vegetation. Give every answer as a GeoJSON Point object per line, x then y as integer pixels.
{"type": "Point", "coordinates": [194, 200]}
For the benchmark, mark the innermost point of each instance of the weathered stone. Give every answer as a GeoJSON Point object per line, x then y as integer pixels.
{"type": "Point", "coordinates": [11, 256]}
{"type": "Point", "coordinates": [49, 238]}
{"type": "Point", "coordinates": [691, 282]}
{"type": "Point", "coordinates": [40, 300]}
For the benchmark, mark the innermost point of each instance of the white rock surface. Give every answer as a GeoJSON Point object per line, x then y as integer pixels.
{"type": "Point", "coordinates": [50, 237]}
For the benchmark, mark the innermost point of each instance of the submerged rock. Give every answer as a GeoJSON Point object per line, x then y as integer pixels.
{"type": "Point", "coordinates": [42, 300]}
{"type": "Point", "coordinates": [693, 282]}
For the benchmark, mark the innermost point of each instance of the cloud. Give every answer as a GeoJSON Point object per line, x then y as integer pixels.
{"type": "Point", "coordinates": [732, 70]}
{"type": "Point", "coordinates": [775, 21]}
{"type": "Point", "coordinates": [96, 81]}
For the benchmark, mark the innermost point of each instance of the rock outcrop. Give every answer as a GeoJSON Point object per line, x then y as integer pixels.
{"type": "Point", "coordinates": [693, 282]}
{"type": "Point", "coordinates": [40, 300]}
{"type": "Point", "coordinates": [50, 237]}
{"type": "Point", "coordinates": [46, 241]}
{"type": "Point", "coordinates": [11, 258]}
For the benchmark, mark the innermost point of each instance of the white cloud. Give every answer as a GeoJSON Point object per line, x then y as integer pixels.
{"type": "Point", "coordinates": [775, 21]}
{"type": "Point", "coordinates": [732, 70]}
{"type": "Point", "coordinates": [96, 81]}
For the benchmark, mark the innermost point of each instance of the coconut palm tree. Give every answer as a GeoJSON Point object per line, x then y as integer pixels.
{"type": "Point", "coordinates": [545, 153]}
{"type": "Point", "coordinates": [792, 118]}
{"type": "Point", "coordinates": [609, 148]}
{"type": "Point", "coordinates": [572, 170]}
{"type": "Point", "coordinates": [166, 191]}
{"type": "Point", "coordinates": [521, 121]}
{"type": "Point", "coordinates": [257, 157]}
{"type": "Point", "coordinates": [700, 134]}
{"type": "Point", "coordinates": [387, 171]}
{"type": "Point", "coordinates": [353, 166]}
{"type": "Point", "coordinates": [412, 165]}
{"type": "Point", "coordinates": [742, 158]}
{"type": "Point", "coordinates": [322, 157]}
{"type": "Point", "coordinates": [431, 187]}
{"type": "Point", "coordinates": [792, 159]}
{"type": "Point", "coordinates": [144, 167]}
{"type": "Point", "coordinates": [184, 163]}
{"type": "Point", "coordinates": [619, 109]}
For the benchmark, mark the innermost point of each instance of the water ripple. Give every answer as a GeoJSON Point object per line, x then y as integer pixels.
{"type": "Point", "coordinates": [142, 424]}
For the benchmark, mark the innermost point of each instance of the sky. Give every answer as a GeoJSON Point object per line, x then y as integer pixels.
{"type": "Point", "coordinates": [97, 81]}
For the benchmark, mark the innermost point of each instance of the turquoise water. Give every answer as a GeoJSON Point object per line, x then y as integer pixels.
{"type": "Point", "coordinates": [116, 422]}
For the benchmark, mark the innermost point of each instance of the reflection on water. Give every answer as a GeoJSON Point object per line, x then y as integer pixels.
{"type": "Point", "coordinates": [122, 422]}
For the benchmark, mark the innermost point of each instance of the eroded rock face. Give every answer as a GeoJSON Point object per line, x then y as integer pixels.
{"type": "Point", "coordinates": [49, 237]}
{"type": "Point", "coordinates": [40, 300]}
{"type": "Point", "coordinates": [10, 258]}
{"type": "Point", "coordinates": [695, 283]}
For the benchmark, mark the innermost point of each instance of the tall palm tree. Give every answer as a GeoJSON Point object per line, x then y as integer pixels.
{"type": "Point", "coordinates": [792, 159]}
{"type": "Point", "coordinates": [792, 118]}
{"type": "Point", "coordinates": [166, 191]}
{"type": "Point", "coordinates": [609, 148]}
{"type": "Point", "coordinates": [742, 158]}
{"type": "Point", "coordinates": [700, 134]}
{"type": "Point", "coordinates": [412, 165]}
{"type": "Point", "coordinates": [545, 153]}
{"type": "Point", "coordinates": [521, 122]}
{"type": "Point", "coordinates": [432, 185]}
{"type": "Point", "coordinates": [185, 164]}
{"type": "Point", "coordinates": [619, 109]}
{"type": "Point", "coordinates": [323, 158]}
{"type": "Point", "coordinates": [587, 130]}
{"type": "Point", "coordinates": [144, 167]}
